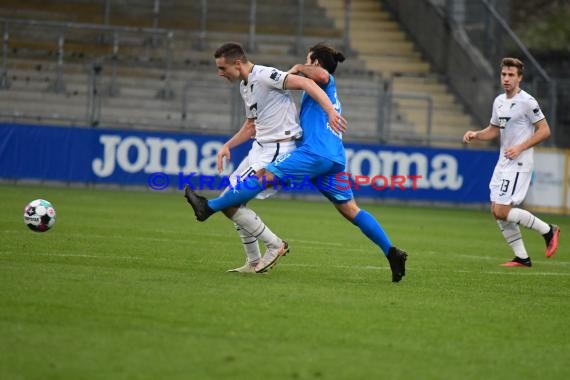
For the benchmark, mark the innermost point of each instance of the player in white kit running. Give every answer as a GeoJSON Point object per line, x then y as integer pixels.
{"type": "Point", "coordinates": [520, 123]}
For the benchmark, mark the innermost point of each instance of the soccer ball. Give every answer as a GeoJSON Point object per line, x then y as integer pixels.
{"type": "Point", "coordinates": [39, 215]}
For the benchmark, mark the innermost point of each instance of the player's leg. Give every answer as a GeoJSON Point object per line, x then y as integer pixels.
{"type": "Point", "coordinates": [254, 226]}
{"type": "Point", "coordinates": [294, 167]}
{"type": "Point", "coordinates": [500, 187]}
{"type": "Point", "coordinates": [246, 190]}
{"type": "Point", "coordinates": [512, 234]}
{"type": "Point", "coordinates": [250, 246]}
{"type": "Point", "coordinates": [514, 187]}
{"type": "Point", "coordinates": [249, 242]}
{"type": "Point", "coordinates": [366, 222]}
{"type": "Point", "coordinates": [258, 157]}
{"type": "Point", "coordinates": [243, 216]}
{"type": "Point", "coordinates": [549, 232]}
{"type": "Point", "coordinates": [260, 181]}
{"type": "Point", "coordinates": [334, 186]}
{"type": "Point", "coordinates": [251, 249]}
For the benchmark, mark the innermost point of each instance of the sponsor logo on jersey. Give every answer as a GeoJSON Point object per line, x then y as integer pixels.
{"type": "Point", "coordinates": [503, 122]}
{"type": "Point", "coordinates": [253, 109]}
{"type": "Point", "coordinates": [513, 104]}
{"type": "Point", "coordinates": [275, 75]}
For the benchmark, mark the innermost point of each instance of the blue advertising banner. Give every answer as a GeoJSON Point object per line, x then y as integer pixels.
{"type": "Point", "coordinates": [163, 160]}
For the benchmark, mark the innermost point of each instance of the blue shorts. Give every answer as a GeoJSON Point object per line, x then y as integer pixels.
{"type": "Point", "coordinates": [300, 169]}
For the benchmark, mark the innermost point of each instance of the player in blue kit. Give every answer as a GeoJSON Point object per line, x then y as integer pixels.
{"type": "Point", "coordinates": [272, 120]}
{"type": "Point", "coordinates": [320, 157]}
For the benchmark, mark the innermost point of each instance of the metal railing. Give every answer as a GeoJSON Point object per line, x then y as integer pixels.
{"type": "Point", "coordinates": [472, 46]}
{"type": "Point", "coordinates": [428, 136]}
{"type": "Point", "coordinates": [514, 46]}
{"type": "Point", "coordinates": [4, 80]}
{"type": "Point", "coordinates": [176, 93]}
{"type": "Point", "coordinates": [63, 29]}
{"type": "Point", "coordinates": [211, 106]}
{"type": "Point", "coordinates": [155, 10]}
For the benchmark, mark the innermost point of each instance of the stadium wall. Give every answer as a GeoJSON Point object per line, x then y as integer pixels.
{"type": "Point", "coordinates": [549, 187]}
{"type": "Point", "coordinates": [162, 161]}
{"type": "Point", "coordinates": [165, 161]}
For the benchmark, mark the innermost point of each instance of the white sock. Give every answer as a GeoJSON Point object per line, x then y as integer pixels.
{"type": "Point", "coordinates": [250, 222]}
{"type": "Point", "coordinates": [250, 245]}
{"type": "Point", "coordinates": [512, 234]}
{"type": "Point", "coordinates": [526, 219]}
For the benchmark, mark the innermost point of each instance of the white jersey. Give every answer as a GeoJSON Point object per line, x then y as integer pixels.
{"type": "Point", "coordinates": [515, 117]}
{"type": "Point", "coordinates": [270, 105]}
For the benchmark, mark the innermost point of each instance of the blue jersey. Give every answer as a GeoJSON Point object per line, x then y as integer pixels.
{"type": "Point", "coordinates": [318, 137]}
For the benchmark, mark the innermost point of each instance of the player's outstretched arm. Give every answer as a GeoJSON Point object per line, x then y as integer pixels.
{"type": "Point", "coordinates": [316, 73]}
{"type": "Point", "coordinates": [296, 82]}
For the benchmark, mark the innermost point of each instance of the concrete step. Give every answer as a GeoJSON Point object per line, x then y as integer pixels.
{"type": "Point", "coordinates": [116, 113]}
{"type": "Point", "coordinates": [440, 100]}
{"type": "Point", "coordinates": [382, 21]}
{"type": "Point", "coordinates": [232, 16]}
{"type": "Point", "coordinates": [44, 108]}
{"type": "Point", "coordinates": [373, 21]}
{"type": "Point", "coordinates": [386, 49]}
{"type": "Point", "coordinates": [199, 96]}
{"type": "Point", "coordinates": [400, 48]}
{"type": "Point", "coordinates": [356, 5]}
{"type": "Point", "coordinates": [419, 86]}
{"type": "Point", "coordinates": [388, 65]}
{"type": "Point", "coordinates": [362, 34]}
{"type": "Point", "coordinates": [374, 26]}
{"type": "Point", "coordinates": [439, 121]}
{"type": "Point", "coordinates": [457, 130]}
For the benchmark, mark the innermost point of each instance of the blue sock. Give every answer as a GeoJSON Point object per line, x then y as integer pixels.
{"type": "Point", "coordinates": [243, 192]}
{"type": "Point", "coordinates": [373, 230]}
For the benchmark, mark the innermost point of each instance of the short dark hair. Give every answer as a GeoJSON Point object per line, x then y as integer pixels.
{"type": "Point", "coordinates": [231, 51]}
{"type": "Point", "coordinates": [513, 62]}
{"type": "Point", "coordinates": [327, 56]}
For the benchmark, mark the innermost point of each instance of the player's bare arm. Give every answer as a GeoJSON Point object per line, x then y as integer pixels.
{"type": "Point", "coordinates": [489, 133]}
{"type": "Point", "coordinates": [316, 73]}
{"type": "Point", "coordinates": [296, 82]}
{"type": "Point", "coordinates": [246, 132]}
{"type": "Point", "coordinates": [541, 133]}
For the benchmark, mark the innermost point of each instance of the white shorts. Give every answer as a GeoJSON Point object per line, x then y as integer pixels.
{"type": "Point", "coordinates": [509, 188]}
{"type": "Point", "coordinates": [259, 157]}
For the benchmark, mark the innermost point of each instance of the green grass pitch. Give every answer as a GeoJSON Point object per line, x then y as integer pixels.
{"type": "Point", "coordinates": [129, 286]}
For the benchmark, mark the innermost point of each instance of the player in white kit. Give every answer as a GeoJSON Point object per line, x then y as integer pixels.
{"type": "Point", "coordinates": [272, 119]}
{"type": "Point", "coordinates": [520, 123]}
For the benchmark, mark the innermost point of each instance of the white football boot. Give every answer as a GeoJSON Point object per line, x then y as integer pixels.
{"type": "Point", "coordinates": [271, 256]}
{"type": "Point", "coordinates": [246, 268]}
